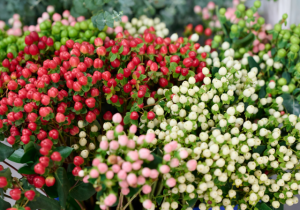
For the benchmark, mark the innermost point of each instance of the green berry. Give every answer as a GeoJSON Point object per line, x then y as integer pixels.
{"type": "Point", "coordinates": [293, 26]}
{"type": "Point", "coordinates": [277, 27]}
{"type": "Point", "coordinates": [294, 48]}
{"type": "Point", "coordinates": [222, 11]}
{"type": "Point", "coordinates": [261, 20]}
{"type": "Point", "coordinates": [241, 7]}
{"type": "Point", "coordinates": [267, 46]}
{"type": "Point", "coordinates": [218, 38]}
{"type": "Point", "coordinates": [281, 53]}
{"type": "Point", "coordinates": [242, 23]}
{"type": "Point", "coordinates": [249, 13]}
{"type": "Point", "coordinates": [294, 40]}
{"type": "Point", "coordinates": [282, 81]}
{"type": "Point", "coordinates": [234, 28]}
{"type": "Point", "coordinates": [297, 30]}
{"type": "Point", "coordinates": [242, 50]}
{"type": "Point", "coordinates": [292, 87]}
{"type": "Point", "coordinates": [284, 16]}
{"type": "Point", "coordinates": [257, 4]}
{"type": "Point", "coordinates": [287, 35]}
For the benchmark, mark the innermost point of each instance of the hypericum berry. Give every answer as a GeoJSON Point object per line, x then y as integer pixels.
{"type": "Point", "coordinates": [163, 82]}
{"type": "Point", "coordinates": [11, 140]}
{"type": "Point", "coordinates": [76, 170]}
{"type": "Point", "coordinates": [54, 134]}
{"type": "Point", "coordinates": [188, 62]}
{"type": "Point", "coordinates": [3, 181]}
{"type": "Point", "coordinates": [78, 161]}
{"type": "Point", "coordinates": [50, 181]}
{"type": "Point", "coordinates": [15, 194]}
{"type": "Point", "coordinates": [28, 40]}
{"type": "Point", "coordinates": [148, 38]}
{"type": "Point", "coordinates": [141, 93]}
{"type": "Point", "coordinates": [107, 116]}
{"type": "Point", "coordinates": [134, 115]}
{"type": "Point", "coordinates": [47, 143]}
{"type": "Point", "coordinates": [106, 75]}
{"type": "Point", "coordinates": [56, 156]}
{"type": "Point", "coordinates": [150, 115]}
{"type": "Point", "coordinates": [38, 181]}
{"type": "Point", "coordinates": [114, 99]}
{"type": "Point", "coordinates": [44, 161]}
{"type": "Point", "coordinates": [39, 169]}
{"type": "Point", "coordinates": [30, 194]}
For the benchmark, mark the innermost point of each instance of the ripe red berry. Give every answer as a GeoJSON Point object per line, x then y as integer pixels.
{"type": "Point", "coordinates": [28, 40]}
{"type": "Point", "coordinates": [76, 170]}
{"type": "Point", "coordinates": [150, 115]}
{"type": "Point", "coordinates": [50, 181]}
{"type": "Point", "coordinates": [33, 49]}
{"type": "Point", "coordinates": [3, 182]}
{"type": "Point", "coordinates": [203, 55]}
{"type": "Point", "coordinates": [163, 82]}
{"type": "Point", "coordinates": [148, 37]}
{"type": "Point", "coordinates": [44, 161]}
{"type": "Point", "coordinates": [114, 99]}
{"type": "Point", "coordinates": [38, 181]}
{"type": "Point", "coordinates": [39, 169]}
{"type": "Point", "coordinates": [11, 140]}
{"type": "Point", "coordinates": [49, 42]}
{"type": "Point", "coordinates": [106, 75]}
{"type": "Point", "coordinates": [188, 62]}
{"type": "Point", "coordinates": [15, 194]}
{"type": "Point", "coordinates": [141, 93]}
{"type": "Point", "coordinates": [78, 161]}
{"type": "Point", "coordinates": [90, 102]}
{"type": "Point", "coordinates": [90, 117]}
{"type": "Point", "coordinates": [107, 116]}
{"type": "Point", "coordinates": [29, 194]}
{"type": "Point", "coordinates": [56, 156]}
{"type": "Point", "coordinates": [25, 139]}
{"type": "Point", "coordinates": [134, 115]}
{"type": "Point", "coordinates": [60, 118]}
{"type": "Point", "coordinates": [54, 134]}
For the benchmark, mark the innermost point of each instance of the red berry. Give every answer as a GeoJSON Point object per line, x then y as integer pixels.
{"type": "Point", "coordinates": [49, 42]}
{"type": "Point", "coordinates": [15, 194]}
{"type": "Point", "coordinates": [33, 49]}
{"type": "Point", "coordinates": [141, 93]}
{"type": "Point", "coordinates": [90, 102]}
{"type": "Point", "coordinates": [90, 117]}
{"type": "Point", "coordinates": [106, 75]}
{"type": "Point", "coordinates": [54, 134]}
{"type": "Point", "coordinates": [29, 194]}
{"type": "Point", "coordinates": [114, 99]}
{"type": "Point", "coordinates": [188, 62]}
{"type": "Point", "coordinates": [148, 38]}
{"type": "Point", "coordinates": [56, 156]}
{"type": "Point", "coordinates": [39, 169]}
{"type": "Point", "coordinates": [207, 32]}
{"type": "Point", "coordinates": [163, 82]}
{"type": "Point", "coordinates": [107, 116]}
{"type": "Point", "coordinates": [44, 161]}
{"type": "Point", "coordinates": [50, 181]}
{"type": "Point", "coordinates": [203, 55]}
{"type": "Point", "coordinates": [150, 115]}
{"type": "Point", "coordinates": [60, 118]}
{"type": "Point", "coordinates": [3, 181]}
{"type": "Point", "coordinates": [76, 170]}
{"type": "Point", "coordinates": [28, 40]}
{"type": "Point", "coordinates": [25, 139]}
{"type": "Point", "coordinates": [78, 161]}
{"type": "Point", "coordinates": [134, 115]}
{"type": "Point", "coordinates": [38, 181]}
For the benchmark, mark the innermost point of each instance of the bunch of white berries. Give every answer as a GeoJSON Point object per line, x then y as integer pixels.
{"type": "Point", "coordinates": [227, 140]}
{"type": "Point", "coordinates": [138, 26]}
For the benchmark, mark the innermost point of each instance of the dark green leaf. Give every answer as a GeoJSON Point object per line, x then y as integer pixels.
{"type": "Point", "coordinates": [4, 204]}
{"type": "Point", "coordinates": [291, 104]}
{"type": "Point", "coordinates": [263, 206]}
{"type": "Point", "coordinates": [252, 63]}
{"type": "Point", "coordinates": [7, 174]}
{"type": "Point", "coordinates": [262, 92]}
{"type": "Point", "coordinates": [192, 202]}
{"type": "Point", "coordinates": [287, 76]}
{"type": "Point", "coordinates": [82, 191]}
{"type": "Point", "coordinates": [26, 170]}
{"type": "Point", "coordinates": [297, 90]}
{"type": "Point", "coordinates": [260, 149]}
{"type": "Point", "coordinates": [51, 191]}
{"type": "Point", "coordinates": [64, 151]}
{"type": "Point", "coordinates": [42, 202]}
{"type": "Point", "coordinates": [62, 186]}
{"type": "Point", "coordinates": [214, 70]}
{"type": "Point", "coordinates": [5, 151]}
{"type": "Point", "coordinates": [132, 191]}
{"type": "Point", "coordinates": [16, 156]}
{"type": "Point", "coordinates": [154, 163]}
{"type": "Point", "coordinates": [246, 41]}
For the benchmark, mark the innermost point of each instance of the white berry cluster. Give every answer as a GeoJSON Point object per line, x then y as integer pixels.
{"type": "Point", "coordinates": [229, 141]}
{"type": "Point", "coordinates": [138, 26]}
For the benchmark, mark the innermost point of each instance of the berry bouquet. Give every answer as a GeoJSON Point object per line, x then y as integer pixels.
{"type": "Point", "coordinates": [148, 122]}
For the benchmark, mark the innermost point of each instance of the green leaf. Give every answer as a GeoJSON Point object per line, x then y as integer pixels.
{"type": "Point", "coordinates": [252, 63]}
{"type": "Point", "coordinates": [263, 206]}
{"type": "Point", "coordinates": [246, 41]}
{"type": "Point", "coordinates": [26, 170]}
{"type": "Point", "coordinates": [297, 90]}
{"type": "Point", "coordinates": [127, 118]}
{"type": "Point", "coordinates": [5, 151]}
{"type": "Point", "coordinates": [82, 191]}
{"type": "Point", "coordinates": [62, 186]}
{"type": "Point", "coordinates": [287, 76]}
{"type": "Point", "coordinates": [291, 104]}
{"type": "Point", "coordinates": [113, 57]}
{"type": "Point", "coordinates": [214, 70]}
{"type": "Point", "coordinates": [16, 156]}
{"type": "Point", "coordinates": [42, 202]}
{"type": "Point", "coordinates": [121, 49]}
{"type": "Point", "coordinates": [4, 204]}
{"type": "Point", "coordinates": [64, 151]}
{"type": "Point", "coordinates": [132, 191]}
{"type": "Point", "coordinates": [262, 92]}
{"type": "Point", "coordinates": [192, 202]}
{"type": "Point", "coordinates": [260, 149]}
